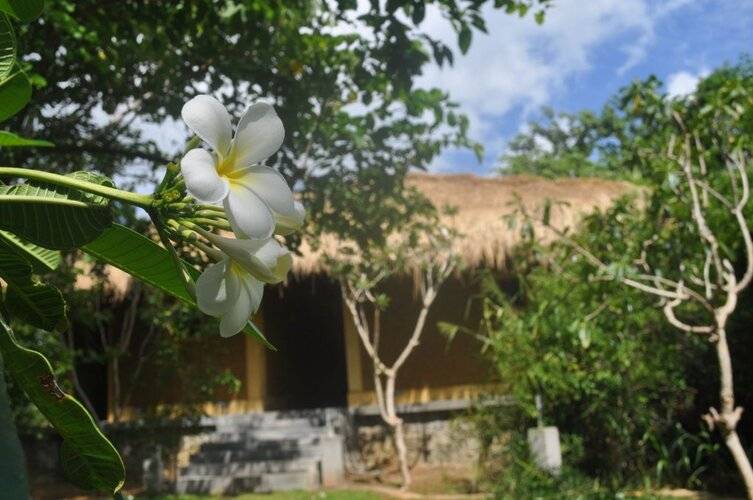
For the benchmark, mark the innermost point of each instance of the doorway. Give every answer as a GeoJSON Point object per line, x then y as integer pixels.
{"type": "Point", "coordinates": [304, 321]}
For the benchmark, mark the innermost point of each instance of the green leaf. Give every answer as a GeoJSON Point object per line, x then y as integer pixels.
{"type": "Point", "coordinates": [8, 139]}
{"type": "Point", "coordinates": [42, 260]}
{"type": "Point", "coordinates": [38, 304]}
{"type": "Point", "coordinates": [464, 38]}
{"type": "Point", "coordinates": [26, 298]}
{"type": "Point", "coordinates": [13, 472]}
{"type": "Point", "coordinates": [15, 92]}
{"type": "Point", "coordinates": [140, 257]}
{"type": "Point", "coordinates": [52, 216]}
{"type": "Point", "coordinates": [24, 10]}
{"type": "Point", "coordinates": [149, 262]}
{"type": "Point", "coordinates": [7, 47]}
{"type": "Point", "coordinates": [90, 460]}
{"type": "Point", "coordinates": [419, 12]}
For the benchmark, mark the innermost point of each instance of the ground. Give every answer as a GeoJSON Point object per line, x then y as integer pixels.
{"type": "Point", "coordinates": [438, 483]}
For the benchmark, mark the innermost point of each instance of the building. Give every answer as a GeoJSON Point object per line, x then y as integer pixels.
{"type": "Point", "coordinates": [319, 361]}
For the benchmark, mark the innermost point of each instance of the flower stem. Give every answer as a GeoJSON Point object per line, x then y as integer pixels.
{"type": "Point", "coordinates": [69, 182]}
{"type": "Point", "coordinates": [213, 208]}
{"type": "Point", "coordinates": [192, 237]}
{"type": "Point", "coordinates": [179, 267]}
{"type": "Point", "coordinates": [210, 214]}
{"type": "Point", "coordinates": [171, 170]}
{"type": "Point", "coordinates": [219, 224]}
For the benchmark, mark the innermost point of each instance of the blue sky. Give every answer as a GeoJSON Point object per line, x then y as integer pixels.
{"type": "Point", "coordinates": [584, 52]}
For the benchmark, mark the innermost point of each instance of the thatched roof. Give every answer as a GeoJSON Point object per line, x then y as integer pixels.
{"type": "Point", "coordinates": [482, 204]}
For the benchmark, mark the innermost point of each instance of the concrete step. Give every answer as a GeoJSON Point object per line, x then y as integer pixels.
{"type": "Point", "coordinates": [254, 455]}
{"type": "Point", "coordinates": [259, 483]}
{"type": "Point", "coordinates": [272, 424]}
{"type": "Point", "coordinates": [263, 452]}
{"type": "Point", "coordinates": [267, 434]}
{"type": "Point", "coordinates": [249, 468]}
{"type": "Point", "coordinates": [267, 445]}
{"type": "Point", "coordinates": [250, 442]}
{"type": "Point", "coordinates": [314, 418]}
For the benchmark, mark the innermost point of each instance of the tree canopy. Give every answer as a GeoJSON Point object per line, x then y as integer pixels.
{"type": "Point", "coordinates": [341, 75]}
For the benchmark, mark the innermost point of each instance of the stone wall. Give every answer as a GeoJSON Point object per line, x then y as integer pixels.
{"type": "Point", "coordinates": [433, 438]}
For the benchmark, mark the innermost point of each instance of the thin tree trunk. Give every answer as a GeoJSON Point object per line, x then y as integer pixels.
{"type": "Point", "coordinates": [402, 452]}
{"type": "Point", "coordinates": [741, 460]}
{"type": "Point", "coordinates": [115, 367]}
{"type": "Point", "coordinates": [729, 416]}
{"type": "Point", "coordinates": [398, 432]}
{"type": "Point", "coordinates": [80, 392]}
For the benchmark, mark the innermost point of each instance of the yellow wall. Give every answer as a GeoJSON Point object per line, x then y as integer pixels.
{"type": "Point", "coordinates": [437, 369]}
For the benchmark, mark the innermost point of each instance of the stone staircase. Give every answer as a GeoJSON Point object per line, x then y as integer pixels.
{"type": "Point", "coordinates": [263, 452]}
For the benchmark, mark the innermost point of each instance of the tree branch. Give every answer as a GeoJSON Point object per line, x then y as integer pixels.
{"type": "Point", "coordinates": [110, 151]}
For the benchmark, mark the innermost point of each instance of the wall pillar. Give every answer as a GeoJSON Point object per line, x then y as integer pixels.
{"type": "Point", "coordinates": [352, 357]}
{"type": "Point", "coordinates": [256, 369]}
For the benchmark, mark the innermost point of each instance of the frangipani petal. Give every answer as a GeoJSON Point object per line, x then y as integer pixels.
{"type": "Point", "coordinates": [217, 289]}
{"type": "Point", "coordinates": [255, 289]}
{"type": "Point", "coordinates": [266, 260]}
{"type": "Point", "coordinates": [249, 216]}
{"type": "Point", "coordinates": [259, 134]}
{"type": "Point", "coordinates": [287, 224]}
{"type": "Point", "coordinates": [274, 260]}
{"type": "Point", "coordinates": [209, 119]}
{"type": "Point", "coordinates": [200, 173]}
{"type": "Point", "coordinates": [249, 299]}
{"type": "Point", "coordinates": [270, 186]}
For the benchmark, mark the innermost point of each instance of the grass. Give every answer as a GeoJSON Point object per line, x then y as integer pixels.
{"type": "Point", "coordinates": [283, 495]}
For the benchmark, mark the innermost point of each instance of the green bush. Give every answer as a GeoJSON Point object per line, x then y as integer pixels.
{"type": "Point", "coordinates": [625, 388]}
{"type": "Point", "coordinates": [611, 373]}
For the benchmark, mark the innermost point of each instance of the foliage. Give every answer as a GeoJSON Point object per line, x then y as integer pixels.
{"type": "Point", "coordinates": [88, 458]}
{"type": "Point", "coordinates": [566, 145]}
{"type": "Point", "coordinates": [346, 97]}
{"type": "Point", "coordinates": [379, 234]}
{"type": "Point", "coordinates": [609, 371]}
{"type": "Point", "coordinates": [613, 374]}
{"type": "Point", "coordinates": [620, 140]}
{"type": "Point", "coordinates": [523, 479]}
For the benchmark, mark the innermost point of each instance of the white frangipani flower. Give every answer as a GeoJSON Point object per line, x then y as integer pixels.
{"type": "Point", "coordinates": [227, 291]}
{"type": "Point", "coordinates": [266, 260]}
{"type": "Point", "coordinates": [232, 289]}
{"type": "Point", "coordinates": [256, 198]}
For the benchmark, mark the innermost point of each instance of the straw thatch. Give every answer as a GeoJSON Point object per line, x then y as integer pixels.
{"type": "Point", "coordinates": [482, 204]}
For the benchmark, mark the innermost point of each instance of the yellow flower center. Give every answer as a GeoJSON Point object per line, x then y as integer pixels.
{"type": "Point", "coordinates": [228, 167]}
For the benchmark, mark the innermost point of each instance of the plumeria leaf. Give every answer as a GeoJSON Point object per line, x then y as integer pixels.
{"type": "Point", "coordinates": [7, 47]}
{"type": "Point", "coordinates": [9, 139]}
{"type": "Point", "coordinates": [23, 10]}
{"type": "Point", "coordinates": [13, 477]}
{"type": "Point", "coordinates": [89, 459]}
{"type": "Point", "coordinates": [149, 262]}
{"type": "Point", "coordinates": [38, 304]}
{"type": "Point", "coordinates": [15, 92]}
{"type": "Point", "coordinates": [42, 260]}
{"type": "Point", "coordinates": [51, 216]}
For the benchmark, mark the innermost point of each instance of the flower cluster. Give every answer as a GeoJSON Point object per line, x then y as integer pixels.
{"type": "Point", "coordinates": [255, 199]}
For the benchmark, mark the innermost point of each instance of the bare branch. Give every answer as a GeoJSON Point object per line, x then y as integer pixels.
{"type": "Point", "coordinates": [669, 312]}
{"type": "Point", "coordinates": [698, 216]}
{"type": "Point", "coordinates": [738, 162]}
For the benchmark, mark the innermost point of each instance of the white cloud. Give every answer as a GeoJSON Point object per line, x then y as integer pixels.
{"type": "Point", "coordinates": [647, 20]}
{"type": "Point", "coordinates": [683, 83]}
{"type": "Point", "coordinates": [521, 65]}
